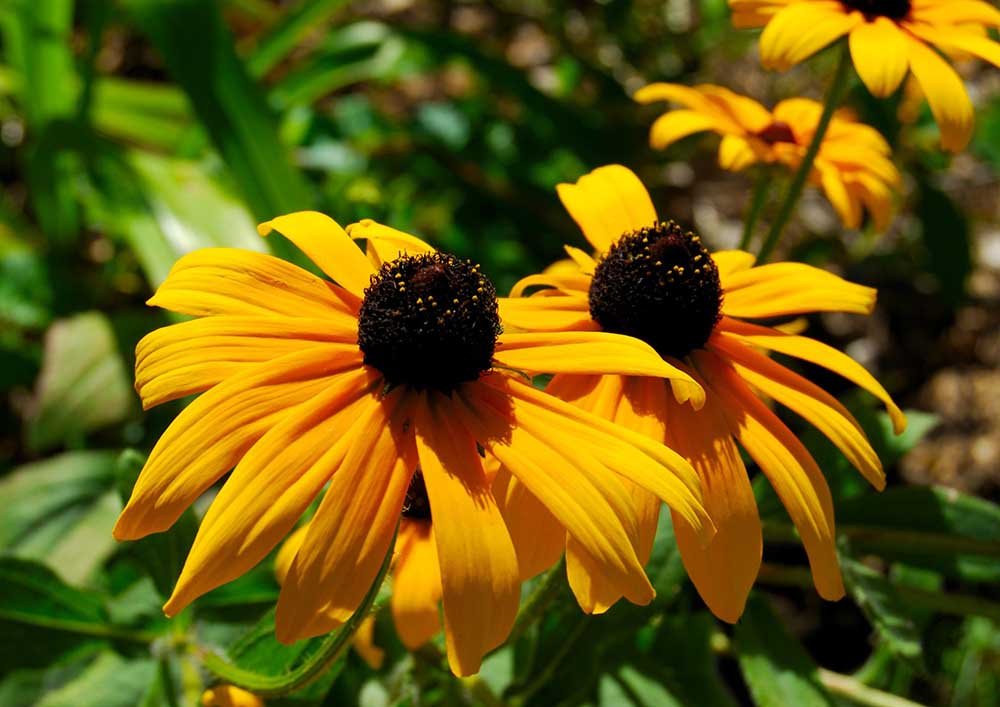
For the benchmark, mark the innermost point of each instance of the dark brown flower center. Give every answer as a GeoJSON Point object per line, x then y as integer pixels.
{"type": "Point", "coordinates": [893, 9]}
{"type": "Point", "coordinates": [658, 284]}
{"type": "Point", "coordinates": [429, 321]}
{"type": "Point", "coordinates": [777, 132]}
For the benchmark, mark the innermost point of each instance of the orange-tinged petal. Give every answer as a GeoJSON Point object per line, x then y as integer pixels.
{"type": "Point", "coordinates": [820, 354]}
{"type": "Point", "coordinates": [781, 289]}
{"type": "Point", "coordinates": [946, 94]}
{"type": "Point", "coordinates": [792, 472]}
{"type": "Point", "coordinates": [229, 696]}
{"type": "Point", "coordinates": [559, 313]}
{"type": "Point", "coordinates": [327, 244]}
{"type": "Point", "coordinates": [808, 400]}
{"type": "Point", "coordinates": [608, 203]}
{"type": "Point", "coordinates": [536, 534]}
{"type": "Point", "coordinates": [273, 485]}
{"type": "Point", "coordinates": [386, 244]}
{"type": "Point", "coordinates": [416, 584]}
{"type": "Point", "coordinates": [240, 282]}
{"type": "Point", "coordinates": [216, 430]}
{"type": "Point", "coordinates": [479, 572]}
{"type": "Point", "coordinates": [364, 643]}
{"type": "Point", "coordinates": [800, 30]}
{"type": "Point", "coordinates": [351, 532]}
{"type": "Point", "coordinates": [586, 353]}
{"type": "Point", "coordinates": [725, 569]}
{"type": "Point", "coordinates": [880, 55]}
{"type": "Point", "coordinates": [190, 357]}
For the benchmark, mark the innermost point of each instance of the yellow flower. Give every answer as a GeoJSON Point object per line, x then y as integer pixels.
{"type": "Point", "coordinates": [887, 38]}
{"type": "Point", "coordinates": [400, 364]}
{"type": "Point", "coordinates": [853, 165]}
{"type": "Point", "coordinates": [656, 282]}
{"type": "Point", "coordinates": [229, 696]}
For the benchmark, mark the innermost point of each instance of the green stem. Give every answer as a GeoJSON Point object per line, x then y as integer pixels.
{"type": "Point", "coordinates": [846, 686]}
{"type": "Point", "coordinates": [543, 594]}
{"type": "Point", "coordinates": [833, 97]}
{"type": "Point", "coordinates": [887, 540]}
{"type": "Point", "coordinates": [545, 676]}
{"type": "Point", "coordinates": [757, 202]}
{"type": "Point", "coordinates": [325, 656]}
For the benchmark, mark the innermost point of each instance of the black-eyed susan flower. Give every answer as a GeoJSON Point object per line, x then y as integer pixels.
{"type": "Point", "coordinates": [853, 165]}
{"type": "Point", "coordinates": [887, 39]}
{"type": "Point", "coordinates": [657, 282]}
{"type": "Point", "coordinates": [352, 385]}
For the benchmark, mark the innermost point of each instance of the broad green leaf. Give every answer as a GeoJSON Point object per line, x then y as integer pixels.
{"type": "Point", "coordinates": [945, 232]}
{"type": "Point", "coordinates": [681, 657]}
{"type": "Point", "coordinates": [936, 528]}
{"type": "Point", "coordinates": [83, 385]}
{"type": "Point", "coordinates": [295, 23]}
{"type": "Point", "coordinates": [142, 113]}
{"type": "Point", "coordinates": [109, 681]}
{"type": "Point", "coordinates": [774, 664]}
{"type": "Point", "coordinates": [25, 291]}
{"type": "Point", "coordinates": [877, 597]}
{"type": "Point", "coordinates": [198, 50]}
{"type": "Point", "coordinates": [60, 511]}
{"type": "Point", "coordinates": [630, 687]}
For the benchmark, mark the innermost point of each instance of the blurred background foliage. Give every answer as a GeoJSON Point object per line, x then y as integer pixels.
{"type": "Point", "coordinates": [133, 131]}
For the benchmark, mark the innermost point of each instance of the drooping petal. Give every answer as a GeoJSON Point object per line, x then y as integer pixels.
{"type": "Point", "coordinates": [243, 283]}
{"type": "Point", "coordinates": [558, 313]}
{"type": "Point", "coordinates": [273, 485]}
{"type": "Point", "coordinates": [479, 572]}
{"type": "Point", "coordinates": [386, 244]}
{"type": "Point", "coordinates": [537, 536]}
{"type": "Point", "coordinates": [963, 41]}
{"type": "Point", "coordinates": [190, 357]}
{"type": "Point", "coordinates": [956, 12]}
{"type": "Point", "coordinates": [327, 244]}
{"type": "Point", "coordinates": [819, 353]}
{"type": "Point", "coordinates": [880, 55]}
{"type": "Point", "coordinates": [946, 94]}
{"type": "Point", "coordinates": [781, 289]}
{"type": "Point", "coordinates": [608, 203]}
{"type": "Point", "coordinates": [586, 353]}
{"type": "Point", "coordinates": [416, 584]}
{"type": "Point", "coordinates": [568, 283]}
{"type": "Point", "coordinates": [785, 461]}
{"type": "Point", "coordinates": [807, 399]}
{"type": "Point", "coordinates": [736, 154]}
{"type": "Point", "coordinates": [216, 430]}
{"type": "Point", "coordinates": [678, 124]}
{"type": "Point", "coordinates": [731, 262]}
{"type": "Point", "coordinates": [724, 570]}
{"type": "Point", "coordinates": [800, 30]}
{"type": "Point", "coordinates": [847, 207]}
{"type": "Point", "coordinates": [350, 534]}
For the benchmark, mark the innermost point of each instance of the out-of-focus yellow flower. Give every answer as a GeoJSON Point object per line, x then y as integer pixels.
{"type": "Point", "coordinates": [887, 39]}
{"type": "Point", "coordinates": [229, 696]}
{"type": "Point", "coordinates": [853, 165]}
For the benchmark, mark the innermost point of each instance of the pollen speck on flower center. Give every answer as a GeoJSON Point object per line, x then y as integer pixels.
{"type": "Point", "coordinates": [658, 284]}
{"type": "Point", "coordinates": [430, 321]}
{"type": "Point", "coordinates": [893, 9]}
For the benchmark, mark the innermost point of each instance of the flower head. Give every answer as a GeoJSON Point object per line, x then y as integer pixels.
{"type": "Point", "coordinates": [887, 39]}
{"type": "Point", "coordinates": [398, 364]}
{"type": "Point", "coordinates": [853, 165]}
{"type": "Point", "coordinates": [229, 696]}
{"type": "Point", "coordinates": [656, 281]}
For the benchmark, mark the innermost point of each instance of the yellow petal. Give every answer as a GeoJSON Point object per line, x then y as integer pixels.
{"type": "Point", "coordinates": [731, 262]}
{"type": "Point", "coordinates": [240, 282]}
{"type": "Point", "coordinates": [724, 570]}
{"type": "Point", "coordinates": [800, 30]}
{"type": "Point", "coordinates": [836, 191]}
{"type": "Point", "coordinates": [792, 472]}
{"type": "Point", "coordinates": [327, 244]}
{"type": "Point", "coordinates": [608, 203]}
{"type": "Point", "coordinates": [350, 534]}
{"type": "Point", "coordinates": [781, 289]}
{"type": "Point", "coordinates": [880, 57]}
{"type": "Point", "coordinates": [820, 354]}
{"type": "Point", "coordinates": [229, 696]}
{"type": "Point", "coordinates": [962, 41]}
{"type": "Point", "coordinates": [946, 94]}
{"type": "Point", "coordinates": [479, 573]}
{"type": "Point", "coordinates": [386, 244]}
{"type": "Point", "coordinates": [678, 124]}
{"type": "Point", "coordinates": [585, 353]}
{"type": "Point", "coordinates": [536, 534]}
{"type": "Point", "coordinates": [364, 643]}
{"type": "Point", "coordinates": [215, 431]}
{"type": "Point", "coordinates": [808, 400]}
{"type": "Point", "coordinates": [273, 485]}
{"type": "Point", "coordinates": [956, 12]}
{"type": "Point", "coordinates": [569, 283]}
{"type": "Point", "coordinates": [192, 356]}
{"type": "Point", "coordinates": [584, 261]}
{"type": "Point", "coordinates": [736, 154]}
{"type": "Point", "coordinates": [416, 584]}
{"type": "Point", "coordinates": [560, 313]}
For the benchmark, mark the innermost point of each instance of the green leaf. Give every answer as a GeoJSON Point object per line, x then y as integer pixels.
{"type": "Point", "coordinates": [945, 232]}
{"type": "Point", "coordinates": [877, 597]}
{"type": "Point", "coordinates": [935, 528]}
{"type": "Point", "coordinates": [681, 657]}
{"type": "Point", "coordinates": [109, 681]}
{"type": "Point", "coordinates": [83, 385]}
{"type": "Point", "coordinates": [199, 53]}
{"type": "Point", "coordinates": [60, 511]}
{"type": "Point", "coordinates": [774, 664]}
{"type": "Point", "coordinates": [283, 38]}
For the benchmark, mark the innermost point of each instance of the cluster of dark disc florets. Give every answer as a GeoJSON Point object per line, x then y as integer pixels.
{"type": "Point", "coordinates": [429, 320]}
{"type": "Point", "coordinates": [417, 505]}
{"type": "Point", "coordinates": [658, 284]}
{"type": "Point", "coordinates": [893, 9]}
